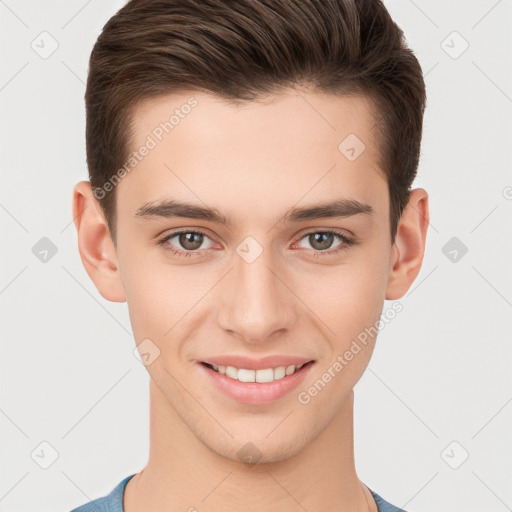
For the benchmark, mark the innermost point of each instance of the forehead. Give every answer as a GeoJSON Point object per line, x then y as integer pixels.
{"type": "Point", "coordinates": [288, 147]}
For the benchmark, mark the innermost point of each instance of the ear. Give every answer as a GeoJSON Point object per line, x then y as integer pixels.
{"type": "Point", "coordinates": [95, 245]}
{"type": "Point", "coordinates": [409, 246]}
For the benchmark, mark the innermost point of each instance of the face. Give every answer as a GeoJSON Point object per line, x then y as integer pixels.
{"type": "Point", "coordinates": [270, 275]}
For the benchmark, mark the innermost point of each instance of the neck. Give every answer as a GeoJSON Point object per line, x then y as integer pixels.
{"type": "Point", "coordinates": [184, 474]}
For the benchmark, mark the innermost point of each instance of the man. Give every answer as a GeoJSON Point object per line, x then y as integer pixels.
{"type": "Point", "coordinates": [250, 169]}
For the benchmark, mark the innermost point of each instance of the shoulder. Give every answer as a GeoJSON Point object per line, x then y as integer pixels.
{"type": "Point", "coordinates": [383, 505]}
{"type": "Point", "coordinates": [98, 505]}
{"type": "Point", "coordinates": [113, 502]}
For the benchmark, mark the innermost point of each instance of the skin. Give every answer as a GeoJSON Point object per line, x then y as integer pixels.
{"type": "Point", "coordinates": [252, 163]}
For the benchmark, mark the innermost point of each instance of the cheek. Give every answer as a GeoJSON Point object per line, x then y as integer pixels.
{"type": "Point", "coordinates": [348, 300]}
{"type": "Point", "coordinates": [160, 297]}
{"type": "Point", "coordinates": [150, 295]}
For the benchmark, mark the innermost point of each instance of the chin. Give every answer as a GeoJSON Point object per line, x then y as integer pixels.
{"type": "Point", "coordinates": [253, 452]}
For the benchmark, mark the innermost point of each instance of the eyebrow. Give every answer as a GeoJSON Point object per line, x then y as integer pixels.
{"type": "Point", "coordinates": [170, 208]}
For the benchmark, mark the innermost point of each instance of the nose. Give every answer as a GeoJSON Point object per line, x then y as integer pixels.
{"type": "Point", "coordinates": [256, 302]}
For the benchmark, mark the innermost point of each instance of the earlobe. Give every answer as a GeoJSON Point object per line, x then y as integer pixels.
{"type": "Point", "coordinates": [95, 245]}
{"type": "Point", "coordinates": [409, 246]}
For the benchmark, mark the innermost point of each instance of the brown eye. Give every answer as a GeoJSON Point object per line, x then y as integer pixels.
{"type": "Point", "coordinates": [190, 241]}
{"type": "Point", "coordinates": [321, 241]}
{"type": "Point", "coordinates": [185, 243]}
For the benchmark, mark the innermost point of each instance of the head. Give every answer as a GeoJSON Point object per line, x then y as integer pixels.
{"type": "Point", "coordinates": [264, 117]}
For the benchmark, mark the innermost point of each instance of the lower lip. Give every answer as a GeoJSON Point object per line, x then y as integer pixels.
{"type": "Point", "coordinates": [255, 392]}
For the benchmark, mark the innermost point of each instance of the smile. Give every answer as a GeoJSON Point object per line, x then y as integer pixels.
{"type": "Point", "coordinates": [261, 376]}
{"type": "Point", "coordinates": [256, 387]}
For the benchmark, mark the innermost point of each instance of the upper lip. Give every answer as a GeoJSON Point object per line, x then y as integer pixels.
{"type": "Point", "coordinates": [257, 364]}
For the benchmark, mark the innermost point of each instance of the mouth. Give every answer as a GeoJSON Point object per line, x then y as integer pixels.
{"type": "Point", "coordinates": [255, 386]}
{"type": "Point", "coordinates": [261, 376]}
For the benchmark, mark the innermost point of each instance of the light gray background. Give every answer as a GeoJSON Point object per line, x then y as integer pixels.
{"type": "Point", "coordinates": [439, 383]}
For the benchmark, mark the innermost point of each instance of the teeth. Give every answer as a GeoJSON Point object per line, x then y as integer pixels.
{"type": "Point", "coordinates": [267, 375]}
{"type": "Point", "coordinates": [262, 376]}
{"type": "Point", "coordinates": [231, 372]}
{"type": "Point", "coordinates": [280, 372]}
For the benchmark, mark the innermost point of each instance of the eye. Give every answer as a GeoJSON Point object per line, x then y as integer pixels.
{"type": "Point", "coordinates": [189, 242]}
{"type": "Point", "coordinates": [321, 241]}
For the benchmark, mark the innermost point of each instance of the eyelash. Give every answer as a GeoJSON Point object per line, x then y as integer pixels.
{"type": "Point", "coordinates": [347, 242]}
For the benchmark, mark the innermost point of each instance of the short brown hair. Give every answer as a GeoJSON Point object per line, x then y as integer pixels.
{"type": "Point", "coordinates": [242, 50]}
